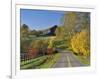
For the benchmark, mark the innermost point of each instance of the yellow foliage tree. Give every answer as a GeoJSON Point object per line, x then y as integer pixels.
{"type": "Point", "coordinates": [80, 43]}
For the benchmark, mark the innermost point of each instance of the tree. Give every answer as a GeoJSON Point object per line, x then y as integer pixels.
{"type": "Point", "coordinates": [60, 32]}
{"type": "Point", "coordinates": [24, 30]}
{"type": "Point", "coordinates": [50, 47]}
{"type": "Point", "coordinates": [80, 43]}
{"type": "Point", "coordinates": [75, 22]}
{"type": "Point", "coordinates": [70, 19]}
{"type": "Point", "coordinates": [40, 46]}
{"type": "Point", "coordinates": [25, 45]}
{"type": "Point", "coordinates": [32, 53]}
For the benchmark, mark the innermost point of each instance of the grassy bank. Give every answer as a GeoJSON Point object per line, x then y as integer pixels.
{"type": "Point", "coordinates": [83, 60]}
{"type": "Point", "coordinates": [51, 61]}
{"type": "Point", "coordinates": [33, 62]}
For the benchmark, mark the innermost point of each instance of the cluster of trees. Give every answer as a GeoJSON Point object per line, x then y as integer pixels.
{"type": "Point", "coordinates": [30, 48]}
{"type": "Point", "coordinates": [40, 46]}
{"type": "Point", "coordinates": [35, 48]}
{"type": "Point", "coordinates": [26, 32]}
{"type": "Point", "coordinates": [75, 32]}
{"type": "Point", "coordinates": [77, 25]}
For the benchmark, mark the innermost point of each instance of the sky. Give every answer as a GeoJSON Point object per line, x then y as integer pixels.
{"type": "Point", "coordinates": [40, 19]}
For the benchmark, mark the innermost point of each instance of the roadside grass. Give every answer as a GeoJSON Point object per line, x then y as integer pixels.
{"type": "Point", "coordinates": [30, 61]}
{"type": "Point", "coordinates": [84, 61]}
{"type": "Point", "coordinates": [50, 62]}
{"type": "Point", "coordinates": [31, 64]}
{"type": "Point", "coordinates": [37, 38]}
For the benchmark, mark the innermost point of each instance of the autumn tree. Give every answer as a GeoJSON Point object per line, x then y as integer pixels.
{"type": "Point", "coordinates": [75, 22]}
{"type": "Point", "coordinates": [40, 46]}
{"type": "Point", "coordinates": [80, 43]}
{"type": "Point", "coordinates": [51, 46]}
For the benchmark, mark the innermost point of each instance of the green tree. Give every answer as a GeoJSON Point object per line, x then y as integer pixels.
{"type": "Point", "coordinates": [24, 30]}
{"type": "Point", "coordinates": [60, 32]}
{"type": "Point", "coordinates": [70, 19]}
{"type": "Point", "coordinates": [25, 45]}
{"type": "Point", "coordinates": [75, 22]}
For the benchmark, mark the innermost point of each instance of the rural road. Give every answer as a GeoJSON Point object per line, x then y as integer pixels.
{"type": "Point", "coordinates": [67, 59]}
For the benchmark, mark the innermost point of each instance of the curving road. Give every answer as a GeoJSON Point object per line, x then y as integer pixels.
{"type": "Point", "coordinates": [67, 59]}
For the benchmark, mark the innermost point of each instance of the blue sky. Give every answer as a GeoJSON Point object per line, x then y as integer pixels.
{"type": "Point", "coordinates": [40, 19]}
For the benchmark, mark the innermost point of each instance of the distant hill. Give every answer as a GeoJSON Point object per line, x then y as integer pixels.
{"type": "Point", "coordinates": [49, 31]}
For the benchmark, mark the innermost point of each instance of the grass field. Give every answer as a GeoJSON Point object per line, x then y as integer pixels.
{"type": "Point", "coordinates": [32, 63]}
{"type": "Point", "coordinates": [40, 62]}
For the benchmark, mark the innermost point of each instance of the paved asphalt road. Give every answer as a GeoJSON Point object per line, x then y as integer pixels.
{"type": "Point", "coordinates": [67, 59]}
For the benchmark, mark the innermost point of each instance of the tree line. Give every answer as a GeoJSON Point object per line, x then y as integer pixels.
{"type": "Point", "coordinates": [76, 31]}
